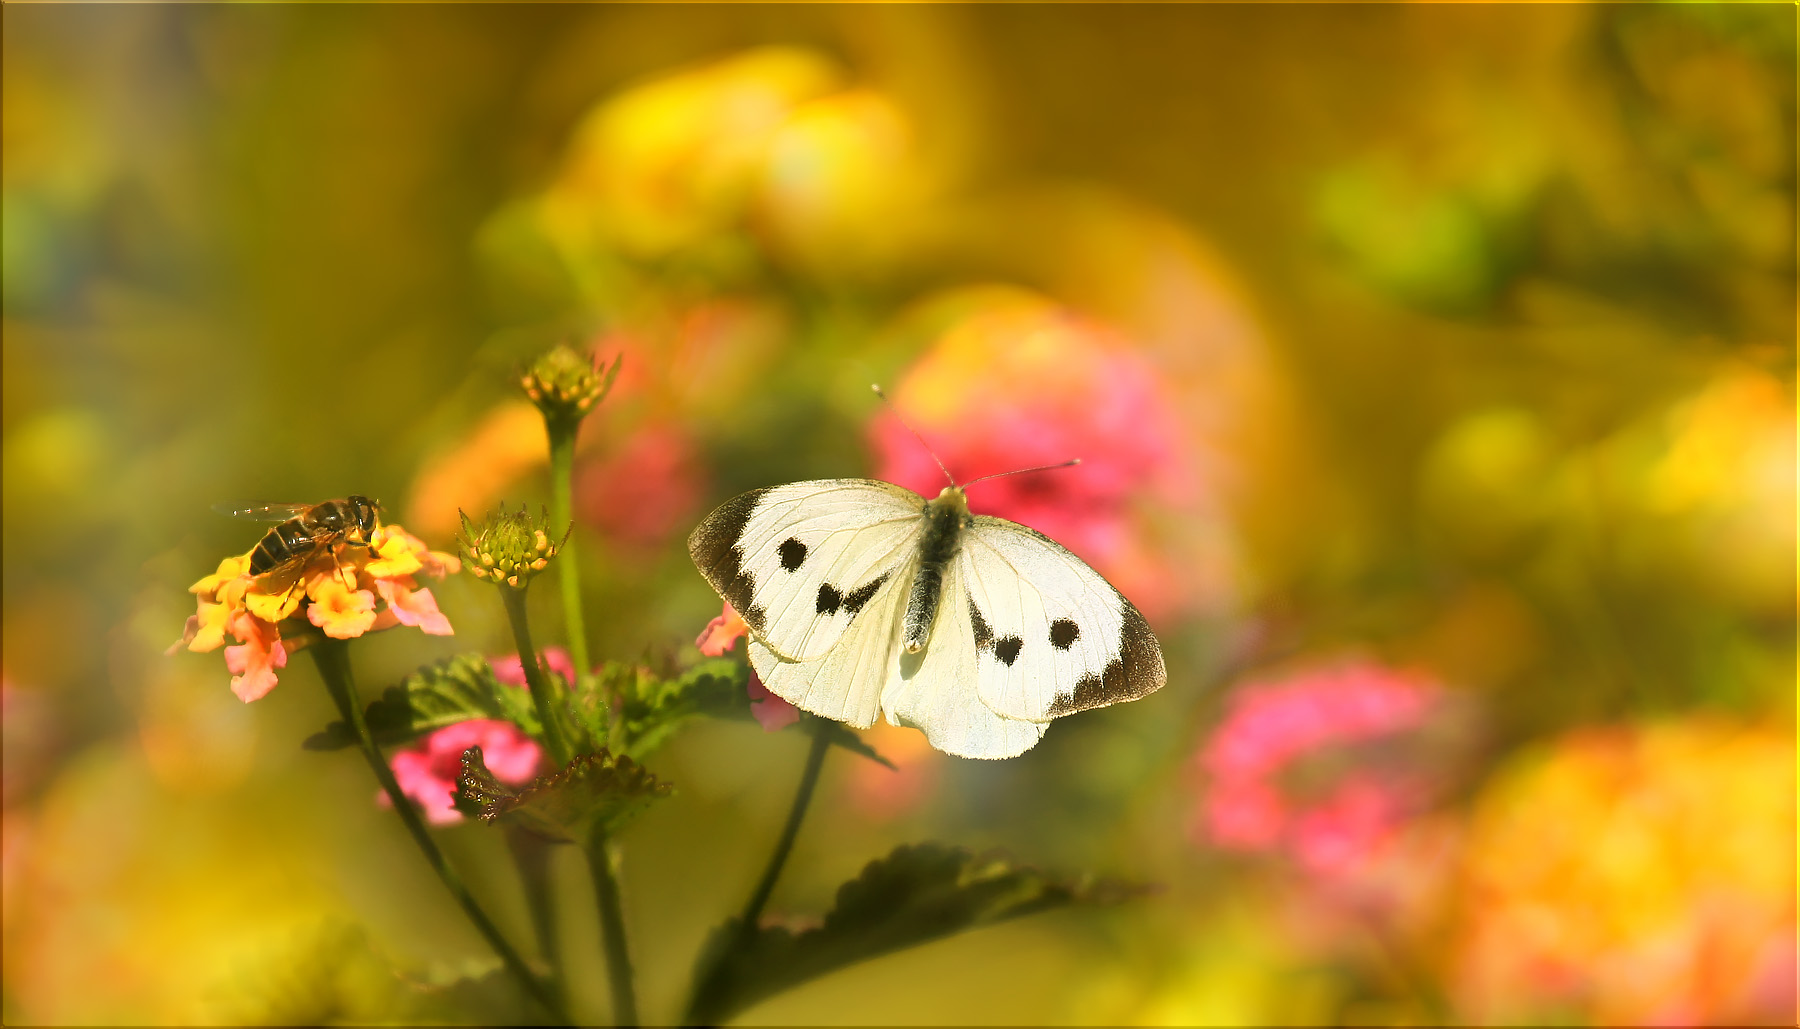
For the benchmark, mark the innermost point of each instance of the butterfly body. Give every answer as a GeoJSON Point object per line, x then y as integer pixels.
{"type": "Point", "coordinates": [865, 598]}
{"type": "Point", "coordinates": [940, 541]}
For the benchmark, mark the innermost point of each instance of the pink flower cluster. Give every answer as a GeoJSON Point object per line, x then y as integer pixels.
{"type": "Point", "coordinates": [1273, 730]}
{"type": "Point", "coordinates": [427, 770]}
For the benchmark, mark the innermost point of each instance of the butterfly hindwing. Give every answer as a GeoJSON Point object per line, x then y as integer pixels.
{"type": "Point", "coordinates": [1050, 635]}
{"type": "Point", "coordinates": [802, 562]}
{"type": "Point", "coordinates": [935, 690]}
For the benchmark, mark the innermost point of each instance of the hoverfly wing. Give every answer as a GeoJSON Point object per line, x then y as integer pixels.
{"type": "Point", "coordinates": [262, 512]}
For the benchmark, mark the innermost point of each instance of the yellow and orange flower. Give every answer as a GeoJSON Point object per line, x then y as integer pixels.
{"type": "Point", "coordinates": [1636, 875]}
{"type": "Point", "coordinates": [345, 591]}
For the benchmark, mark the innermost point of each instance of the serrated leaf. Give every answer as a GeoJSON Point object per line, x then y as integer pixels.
{"type": "Point", "coordinates": [914, 895]}
{"type": "Point", "coordinates": [594, 792]}
{"type": "Point", "coordinates": [450, 691]}
{"type": "Point", "coordinates": [652, 707]}
{"type": "Point", "coordinates": [490, 998]}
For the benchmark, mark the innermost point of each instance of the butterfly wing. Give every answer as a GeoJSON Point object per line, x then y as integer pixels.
{"type": "Point", "coordinates": [845, 684]}
{"type": "Point", "coordinates": [802, 562]}
{"type": "Point", "coordinates": [1050, 635]}
{"type": "Point", "coordinates": [935, 690]}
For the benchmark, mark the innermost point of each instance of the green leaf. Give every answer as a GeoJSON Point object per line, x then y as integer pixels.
{"type": "Point", "coordinates": [652, 707]}
{"type": "Point", "coordinates": [594, 792]}
{"type": "Point", "coordinates": [450, 691]}
{"type": "Point", "coordinates": [914, 895]}
{"type": "Point", "coordinates": [490, 998]}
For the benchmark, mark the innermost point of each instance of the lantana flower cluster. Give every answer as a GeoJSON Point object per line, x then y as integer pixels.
{"type": "Point", "coordinates": [344, 591]}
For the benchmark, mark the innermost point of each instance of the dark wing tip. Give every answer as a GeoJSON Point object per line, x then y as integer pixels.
{"type": "Point", "coordinates": [1135, 672]}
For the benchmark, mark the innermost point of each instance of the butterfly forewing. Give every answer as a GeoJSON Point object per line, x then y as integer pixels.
{"type": "Point", "coordinates": [802, 563]}
{"type": "Point", "coordinates": [1051, 636]}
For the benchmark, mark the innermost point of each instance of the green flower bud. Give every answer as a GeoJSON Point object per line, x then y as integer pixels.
{"type": "Point", "coordinates": [566, 384]}
{"type": "Point", "coordinates": [508, 547]}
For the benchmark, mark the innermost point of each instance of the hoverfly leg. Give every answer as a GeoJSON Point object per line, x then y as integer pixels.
{"type": "Point", "coordinates": [349, 583]}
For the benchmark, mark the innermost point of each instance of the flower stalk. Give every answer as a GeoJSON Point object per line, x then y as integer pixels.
{"type": "Point", "coordinates": [333, 660]}
{"type": "Point", "coordinates": [562, 512]}
{"type": "Point", "coordinates": [543, 696]}
{"type": "Point", "coordinates": [708, 984]}
{"type": "Point", "coordinates": [567, 385]}
{"type": "Point", "coordinates": [809, 780]}
{"type": "Point", "coordinates": [603, 859]}
{"type": "Point", "coordinates": [531, 855]}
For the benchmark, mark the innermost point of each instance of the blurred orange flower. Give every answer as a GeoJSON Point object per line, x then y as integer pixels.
{"type": "Point", "coordinates": [473, 474]}
{"type": "Point", "coordinates": [338, 589]}
{"type": "Point", "coordinates": [1640, 875]}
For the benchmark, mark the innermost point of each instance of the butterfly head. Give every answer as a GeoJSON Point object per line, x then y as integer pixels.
{"type": "Point", "coordinates": [950, 505]}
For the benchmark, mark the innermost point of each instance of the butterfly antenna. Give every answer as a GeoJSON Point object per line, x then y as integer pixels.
{"type": "Point", "coordinates": [1070, 463]}
{"type": "Point", "coordinates": [915, 432]}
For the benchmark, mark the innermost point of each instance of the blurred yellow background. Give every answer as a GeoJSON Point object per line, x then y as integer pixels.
{"type": "Point", "coordinates": [1430, 356]}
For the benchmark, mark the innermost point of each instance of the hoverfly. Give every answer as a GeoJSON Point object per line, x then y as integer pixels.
{"type": "Point", "coordinates": [306, 530]}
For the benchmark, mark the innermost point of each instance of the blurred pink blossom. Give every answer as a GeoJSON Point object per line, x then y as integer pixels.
{"type": "Point", "coordinates": [427, 770]}
{"type": "Point", "coordinates": [643, 489]}
{"type": "Point", "coordinates": [771, 712]}
{"type": "Point", "coordinates": [1018, 382]}
{"type": "Point", "coordinates": [1274, 730]}
{"type": "Point", "coordinates": [511, 671]}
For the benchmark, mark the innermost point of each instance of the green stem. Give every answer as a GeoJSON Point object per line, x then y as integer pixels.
{"type": "Point", "coordinates": [562, 515]}
{"type": "Point", "coordinates": [603, 858]}
{"type": "Point", "coordinates": [809, 779]}
{"type": "Point", "coordinates": [548, 708]}
{"type": "Point", "coordinates": [333, 660]}
{"type": "Point", "coordinates": [531, 854]}
{"type": "Point", "coordinates": [715, 980]}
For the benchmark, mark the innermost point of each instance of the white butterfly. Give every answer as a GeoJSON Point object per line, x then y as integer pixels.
{"type": "Point", "coordinates": [863, 596]}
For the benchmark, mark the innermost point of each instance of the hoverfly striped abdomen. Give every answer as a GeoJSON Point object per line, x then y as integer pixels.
{"type": "Point", "coordinates": [311, 529]}
{"type": "Point", "coordinates": [286, 542]}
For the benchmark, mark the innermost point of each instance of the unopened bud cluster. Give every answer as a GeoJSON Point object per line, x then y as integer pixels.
{"type": "Point", "coordinates": [566, 384]}
{"type": "Point", "coordinates": [508, 548]}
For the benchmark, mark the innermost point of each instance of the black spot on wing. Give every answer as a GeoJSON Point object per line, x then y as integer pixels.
{"type": "Point", "coordinates": [1135, 671]}
{"type": "Point", "coordinates": [1007, 649]}
{"type": "Point", "coordinates": [715, 550]}
{"type": "Point", "coordinates": [1064, 633]}
{"type": "Point", "coordinates": [793, 552]}
{"type": "Point", "coordinates": [984, 634]}
{"type": "Point", "coordinates": [829, 599]}
{"type": "Point", "coordinates": [861, 595]}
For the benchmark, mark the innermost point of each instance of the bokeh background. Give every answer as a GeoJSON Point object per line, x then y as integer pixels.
{"type": "Point", "coordinates": [1432, 366]}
